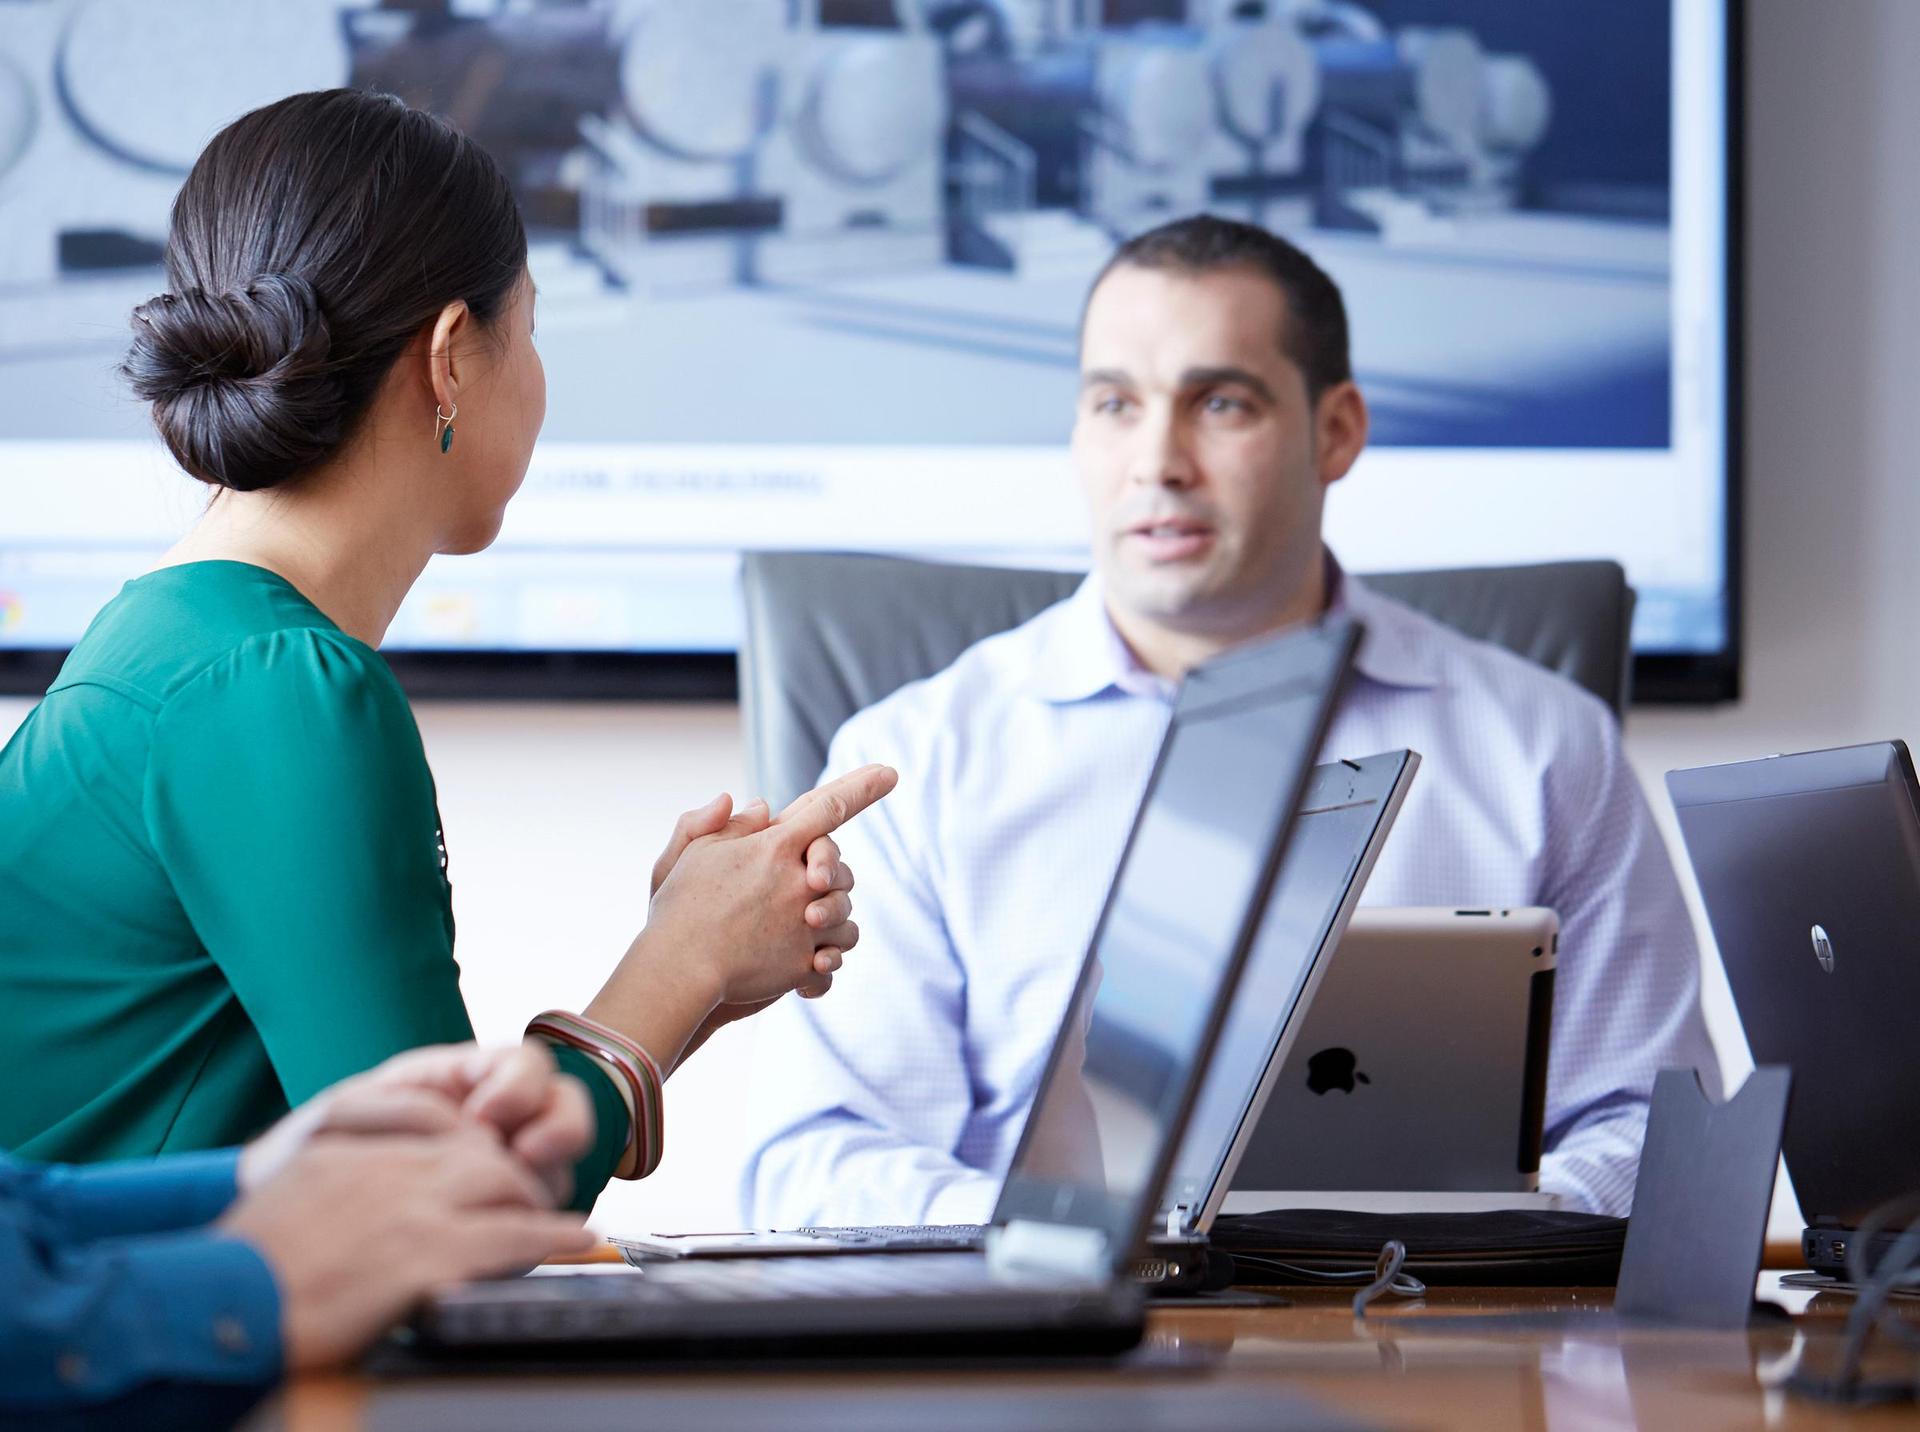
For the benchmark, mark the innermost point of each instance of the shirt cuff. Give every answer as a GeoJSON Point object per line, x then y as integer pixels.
{"type": "Point", "coordinates": [177, 1308]}
{"type": "Point", "coordinates": [964, 1198]}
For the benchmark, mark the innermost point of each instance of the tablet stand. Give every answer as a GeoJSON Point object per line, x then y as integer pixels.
{"type": "Point", "coordinates": [1700, 1206]}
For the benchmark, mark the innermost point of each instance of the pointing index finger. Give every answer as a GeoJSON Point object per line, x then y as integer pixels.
{"type": "Point", "coordinates": [825, 809]}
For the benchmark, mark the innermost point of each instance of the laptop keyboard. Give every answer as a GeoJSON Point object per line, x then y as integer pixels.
{"type": "Point", "coordinates": [813, 1278]}
{"type": "Point", "coordinates": [966, 1235]}
{"type": "Point", "coordinates": [747, 1280]}
{"type": "Point", "coordinates": [907, 1294]}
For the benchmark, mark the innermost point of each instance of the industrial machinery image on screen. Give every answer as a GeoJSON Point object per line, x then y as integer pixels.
{"type": "Point", "coordinates": [811, 273]}
{"type": "Point", "coordinates": [874, 221]}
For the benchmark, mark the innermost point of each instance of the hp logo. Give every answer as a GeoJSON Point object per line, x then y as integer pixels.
{"type": "Point", "coordinates": [1823, 948]}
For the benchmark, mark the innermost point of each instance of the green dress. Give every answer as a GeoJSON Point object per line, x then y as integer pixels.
{"type": "Point", "coordinates": [222, 881]}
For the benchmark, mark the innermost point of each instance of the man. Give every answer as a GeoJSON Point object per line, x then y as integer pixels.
{"type": "Point", "coordinates": [1217, 406]}
{"type": "Point", "coordinates": [190, 1283]}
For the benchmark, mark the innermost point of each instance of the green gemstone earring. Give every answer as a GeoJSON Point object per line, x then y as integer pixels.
{"type": "Point", "coordinates": [443, 425]}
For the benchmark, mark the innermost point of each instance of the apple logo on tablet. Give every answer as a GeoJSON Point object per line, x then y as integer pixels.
{"type": "Point", "coordinates": [1334, 1068]}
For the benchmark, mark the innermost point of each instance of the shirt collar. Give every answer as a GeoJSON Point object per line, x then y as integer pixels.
{"type": "Point", "coordinates": [1080, 655]}
{"type": "Point", "coordinates": [1396, 650]}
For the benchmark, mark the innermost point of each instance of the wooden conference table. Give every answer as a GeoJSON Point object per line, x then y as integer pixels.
{"type": "Point", "coordinates": [1307, 1365]}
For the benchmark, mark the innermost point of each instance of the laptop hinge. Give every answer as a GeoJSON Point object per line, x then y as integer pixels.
{"type": "Point", "coordinates": [1177, 1220]}
{"type": "Point", "coordinates": [1062, 1249]}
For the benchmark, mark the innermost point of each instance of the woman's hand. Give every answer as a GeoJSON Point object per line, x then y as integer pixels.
{"type": "Point", "coordinates": [746, 909]}
{"type": "Point", "coordinates": [827, 875]}
{"type": "Point", "coordinates": [746, 901]}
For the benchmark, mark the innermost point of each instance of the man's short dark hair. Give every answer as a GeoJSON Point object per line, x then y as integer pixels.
{"type": "Point", "coordinates": [1315, 336]}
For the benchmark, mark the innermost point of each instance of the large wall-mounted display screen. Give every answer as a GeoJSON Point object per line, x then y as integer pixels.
{"type": "Point", "coordinates": [810, 275]}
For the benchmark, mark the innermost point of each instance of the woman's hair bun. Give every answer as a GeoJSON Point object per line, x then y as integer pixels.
{"type": "Point", "coordinates": [242, 383]}
{"type": "Point", "coordinates": [314, 241]}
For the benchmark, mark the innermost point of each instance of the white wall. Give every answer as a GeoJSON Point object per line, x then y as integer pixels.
{"type": "Point", "coordinates": [554, 813]}
{"type": "Point", "coordinates": [1833, 352]}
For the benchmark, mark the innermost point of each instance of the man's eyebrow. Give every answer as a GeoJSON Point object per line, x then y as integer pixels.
{"type": "Point", "coordinates": [1211, 377]}
{"type": "Point", "coordinates": [1094, 377]}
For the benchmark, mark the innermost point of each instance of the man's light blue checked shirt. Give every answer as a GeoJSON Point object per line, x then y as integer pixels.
{"type": "Point", "coordinates": [900, 1096]}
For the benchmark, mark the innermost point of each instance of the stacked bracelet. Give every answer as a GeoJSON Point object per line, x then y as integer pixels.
{"type": "Point", "coordinates": [632, 1064]}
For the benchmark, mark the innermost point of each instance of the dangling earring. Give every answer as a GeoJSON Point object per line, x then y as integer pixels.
{"type": "Point", "coordinates": [443, 425]}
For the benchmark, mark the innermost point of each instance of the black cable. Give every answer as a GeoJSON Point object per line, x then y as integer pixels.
{"type": "Point", "coordinates": [1387, 1278]}
{"type": "Point", "coordinates": [1384, 1278]}
{"type": "Point", "coordinates": [1897, 1269]}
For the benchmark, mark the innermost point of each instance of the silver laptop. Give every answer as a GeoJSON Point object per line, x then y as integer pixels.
{"type": "Point", "coordinates": [1344, 820]}
{"type": "Point", "coordinates": [1176, 930]}
{"type": "Point", "coordinates": [1419, 1080]}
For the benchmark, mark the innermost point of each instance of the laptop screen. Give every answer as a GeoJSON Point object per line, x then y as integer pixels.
{"type": "Point", "coordinates": [1175, 930]}
{"type": "Point", "coordinates": [1809, 867]}
{"type": "Point", "coordinates": [1345, 817]}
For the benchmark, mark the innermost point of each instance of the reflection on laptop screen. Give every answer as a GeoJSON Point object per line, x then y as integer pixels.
{"type": "Point", "coordinates": [1232, 763]}
{"type": "Point", "coordinates": [1336, 825]}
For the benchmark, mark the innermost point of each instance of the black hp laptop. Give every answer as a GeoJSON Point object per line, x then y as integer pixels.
{"type": "Point", "coordinates": [1348, 809]}
{"type": "Point", "coordinates": [1810, 868]}
{"type": "Point", "coordinates": [1176, 929]}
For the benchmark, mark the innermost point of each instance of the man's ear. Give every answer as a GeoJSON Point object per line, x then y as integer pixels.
{"type": "Point", "coordinates": [1340, 424]}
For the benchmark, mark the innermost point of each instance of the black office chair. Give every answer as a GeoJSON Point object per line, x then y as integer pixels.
{"type": "Point", "coordinates": [829, 634]}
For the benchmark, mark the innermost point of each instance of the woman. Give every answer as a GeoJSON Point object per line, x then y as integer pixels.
{"type": "Point", "coordinates": [222, 886]}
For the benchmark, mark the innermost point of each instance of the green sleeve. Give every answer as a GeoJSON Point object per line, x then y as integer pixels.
{"type": "Point", "coordinates": [590, 1175]}
{"type": "Point", "coordinates": [289, 799]}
